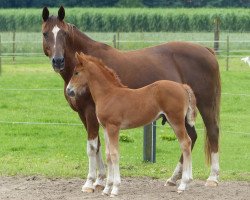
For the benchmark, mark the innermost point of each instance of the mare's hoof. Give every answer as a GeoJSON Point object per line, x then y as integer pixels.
{"type": "Point", "coordinates": [169, 182]}
{"type": "Point", "coordinates": [211, 183]}
{"type": "Point", "coordinates": [99, 188]}
{"type": "Point", "coordinates": [88, 190]}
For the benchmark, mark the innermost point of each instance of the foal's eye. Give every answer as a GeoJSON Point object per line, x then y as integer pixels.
{"type": "Point", "coordinates": [76, 73]}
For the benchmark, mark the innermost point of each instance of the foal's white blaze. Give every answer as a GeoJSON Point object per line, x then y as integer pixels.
{"type": "Point", "coordinates": [214, 168]}
{"type": "Point", "coordinates": [55, 31]}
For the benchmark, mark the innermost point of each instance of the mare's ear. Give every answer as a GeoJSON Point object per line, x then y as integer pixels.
{"type": "Point", "coordinates": [45, 14]}
{"type": "Point", "coordinates": [61, 13]}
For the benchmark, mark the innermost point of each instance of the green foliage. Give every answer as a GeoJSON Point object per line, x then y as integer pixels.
{"type": "Point", "coordinates": [60, 151]}
{"type": "Point", "coordinates": [168, 137]}
{"type": "Point", "coordinates": [125, 138]}
{"type": "Point", "coordinates": [131, 20]}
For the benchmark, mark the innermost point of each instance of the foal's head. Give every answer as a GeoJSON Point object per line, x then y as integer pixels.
{"type": "Point", "coordinates": [55, 32]}
{"type": "Point", "coordinates": [87, 65]}
{"type": "Point", "coordinates": [78, 81]}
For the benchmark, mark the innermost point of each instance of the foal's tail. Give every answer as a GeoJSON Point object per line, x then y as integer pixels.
{"type": "Point", "coordinates": [192, 111]}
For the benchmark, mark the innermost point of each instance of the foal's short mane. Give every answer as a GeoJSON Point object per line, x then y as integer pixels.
{"type": "Point", "coordinates": [112, 75]}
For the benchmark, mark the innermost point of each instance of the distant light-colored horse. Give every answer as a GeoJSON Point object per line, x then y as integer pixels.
{"type": "Point", "coordinates": [118, 107]}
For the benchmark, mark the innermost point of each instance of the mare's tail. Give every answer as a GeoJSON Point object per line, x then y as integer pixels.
{"type": "Point", "coordinates": [192, 111]}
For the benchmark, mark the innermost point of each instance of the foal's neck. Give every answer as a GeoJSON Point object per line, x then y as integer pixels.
{"type": "Point", "coordinates": [99, 84]}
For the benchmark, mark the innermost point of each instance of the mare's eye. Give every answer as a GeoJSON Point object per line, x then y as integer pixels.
{"type": "Point", "coordinates": [46, 35]}
{"type": "Point", "coordinates": [76, 73]}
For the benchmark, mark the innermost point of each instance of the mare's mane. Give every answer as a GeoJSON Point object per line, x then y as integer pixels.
{"type": "Point", "coordinates": [111, 73]}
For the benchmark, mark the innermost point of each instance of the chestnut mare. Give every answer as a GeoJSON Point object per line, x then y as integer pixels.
{"type": "Point", "coordinates": [118, 107]}
{"type": "Point", "coordinates": [177, 61]}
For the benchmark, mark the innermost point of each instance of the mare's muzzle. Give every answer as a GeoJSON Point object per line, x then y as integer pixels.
{"type": "Point", "coordinates": [58, 63]}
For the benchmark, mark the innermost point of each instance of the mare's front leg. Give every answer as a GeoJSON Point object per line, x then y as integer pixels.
{"type": "Point", "coordinates": [177, 174]}
{"type": "Point", "coordinates": [97, 173]}
{"type": "Point", "coordinates": [112, 156]}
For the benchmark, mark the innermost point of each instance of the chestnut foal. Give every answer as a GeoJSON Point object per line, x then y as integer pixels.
{"type": "Point", "coordinates": [118, 107]}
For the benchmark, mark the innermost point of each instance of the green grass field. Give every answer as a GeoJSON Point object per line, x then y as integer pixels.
{"type": "Point", "coordinates": [60, 150]}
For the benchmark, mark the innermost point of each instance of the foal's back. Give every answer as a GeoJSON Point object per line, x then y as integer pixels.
{"type": "Point", "coordinates": [136, 107]}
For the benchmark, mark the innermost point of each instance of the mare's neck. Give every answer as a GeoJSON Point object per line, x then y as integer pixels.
{"type": "Point", "coordinates": [99, 85]}
{"type": "Point", "coordinates": [77, 42]}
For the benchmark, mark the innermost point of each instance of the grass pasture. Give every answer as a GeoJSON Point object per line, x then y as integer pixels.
{"type": "Point", "coordinates": [60, 150]}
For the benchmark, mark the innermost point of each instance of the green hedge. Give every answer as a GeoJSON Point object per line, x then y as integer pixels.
{"type": "Point", "coordinates": [131, 20]}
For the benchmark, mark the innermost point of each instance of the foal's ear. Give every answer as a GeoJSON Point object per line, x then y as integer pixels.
{"type": "Point", "coordinates": [61, 13]}
{"type": "Point", "coordinates": [45, 14]}
{"type": "Point", "coordinates": [81, 59]}
{"type": "Point", "coordinates": [77, 56]}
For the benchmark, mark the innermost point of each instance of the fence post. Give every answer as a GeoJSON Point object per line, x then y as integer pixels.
{"type": "Point", "coordinates": [0, 56]}
{"type": "Point", "coordinates": [14, 45]}
{"type": "Point", "coordinates": [227, 57]}
{"type": "Point", "coordinates": [149, 143]}
{"type": "Point", "coordinates": [118, 38]}
{"type": "Point", "coordinates": [216, 34]}
{"type": "Point", "coordinates": [114, 41]}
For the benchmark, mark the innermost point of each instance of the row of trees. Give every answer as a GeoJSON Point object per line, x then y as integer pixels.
{"type": "Point", "coordinates": [124, 3]}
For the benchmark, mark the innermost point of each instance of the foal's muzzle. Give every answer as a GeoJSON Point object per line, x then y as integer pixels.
{"type": "Point", "coordinates": [58, 63]}
{"type": "Point", "coordinates": [70, 92]}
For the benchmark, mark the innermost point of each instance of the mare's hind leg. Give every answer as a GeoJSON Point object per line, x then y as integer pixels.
{"type": "Point", "coordinates": [212, 145]}
{"type": "Point", "coordinates": [95, 180]}
{"type": "Point", "coordinates": [178, 169]}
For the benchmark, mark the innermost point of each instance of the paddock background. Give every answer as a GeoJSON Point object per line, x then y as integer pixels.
{"type": "Point", "coordinates": [40, 134]}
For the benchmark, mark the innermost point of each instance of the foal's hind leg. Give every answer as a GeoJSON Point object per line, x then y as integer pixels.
{"type": "Point", "coordinates": [178, 169]}
{"type": "Point", "coordinates": [178, 125]}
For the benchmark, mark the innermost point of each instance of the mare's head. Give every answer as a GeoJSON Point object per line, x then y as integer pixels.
{"type": "Point", "coordinates": [78, 81]}
{"type": "Point", "coordinates": [55, 33]}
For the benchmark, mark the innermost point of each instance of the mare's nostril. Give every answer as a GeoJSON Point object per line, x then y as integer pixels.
{"type": "Point", "coordinates": [53, 61]}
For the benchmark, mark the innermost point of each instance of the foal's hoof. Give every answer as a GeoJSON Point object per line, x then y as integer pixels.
{"type": "Point", "coordinates": [169, 182]}
{"type": "Point", "coordinates": [99, 188]}
{"type": "Point", "coordinates": [113, 195]}
{"type": "Point", "coordinates": [87, 190]}
{"type": "Point", "coordinates": [180, 191]}
{"type": "Point", "coordinates": [105, 193]}
{"type": "Point", "coordinates": [211, 183]}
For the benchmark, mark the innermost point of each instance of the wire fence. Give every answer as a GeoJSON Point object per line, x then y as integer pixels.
{"type": "Point", "coordinates": [226, 48]}
{"type": "Point", "coordinates": [13, 47]}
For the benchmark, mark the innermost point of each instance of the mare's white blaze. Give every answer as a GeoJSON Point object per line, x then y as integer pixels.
{"type": "Point", "coordinates": [214, 167]}
{"type": "Point", "coordinates": [55, 31]}
{"type": "Point", "coordinates": [92, 146]}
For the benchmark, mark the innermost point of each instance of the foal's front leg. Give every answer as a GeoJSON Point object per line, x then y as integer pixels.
{"type": "Point", "coordinates": [112, 147]}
